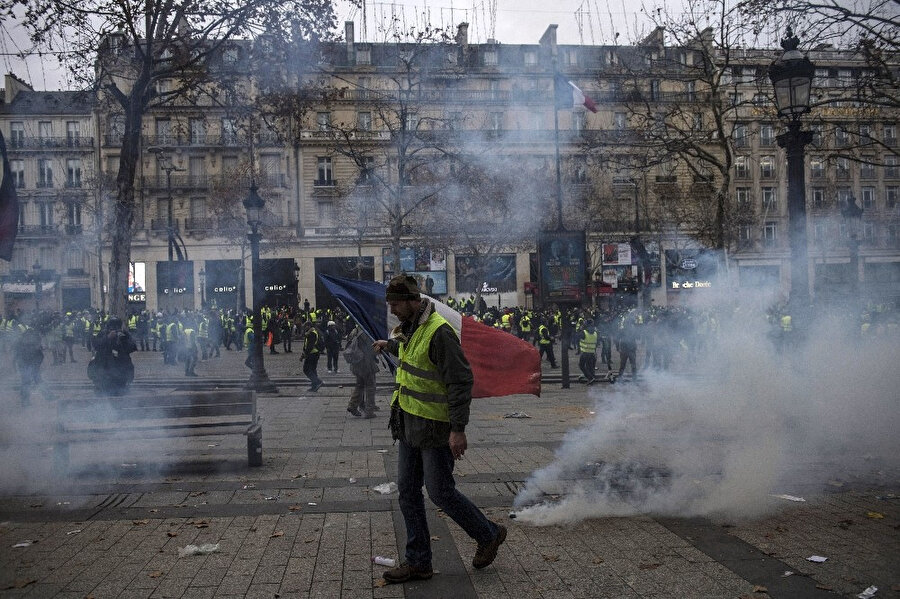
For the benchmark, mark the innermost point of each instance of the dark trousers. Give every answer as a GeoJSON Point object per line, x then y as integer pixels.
{"type": "Point", "coordinates": [362, 396]}
{"type": "Point", "coordinates": [627, 353]}
{"type": "Point", "coordinates": [310, 364]}
{"type": "Point", "coordinates": [547, 348]}
{"type": "Point", "coordinates": [433, 468]}
{"type": "Point", "coordinates": [588, 364]}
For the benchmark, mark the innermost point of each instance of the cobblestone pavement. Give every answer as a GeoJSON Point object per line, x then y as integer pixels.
{"type": "Point", "coordinates": [308, 522]}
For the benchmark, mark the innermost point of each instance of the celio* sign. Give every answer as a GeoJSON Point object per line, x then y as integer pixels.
{"type": "Point", "coordinates": [275, 287]}
{"type": "Point", "coordinates": [225, 289]}
{"type": "Point", "coordinates": [691, 284]}
{"type": "Point", "coordinates": [175, 290]}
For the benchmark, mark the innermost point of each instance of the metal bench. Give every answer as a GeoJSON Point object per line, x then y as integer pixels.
{"type": "Point", "coordinates": [176, 414]}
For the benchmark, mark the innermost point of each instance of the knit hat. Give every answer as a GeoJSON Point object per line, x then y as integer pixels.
{"type": "Point", "coordinates": [402, 287]}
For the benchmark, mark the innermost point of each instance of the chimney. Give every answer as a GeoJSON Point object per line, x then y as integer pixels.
{"type": "Point", "coordinates": [462, 35]}
{"type": "Point", "coordinates": [548, 40]}
{"type": "Point", "coordinates": [12, 86]}
{"type": "Point", "coordinates": [348, 37]}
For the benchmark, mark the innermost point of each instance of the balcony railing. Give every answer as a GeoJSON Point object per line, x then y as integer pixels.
{"type": "Point", "coordinates": [43, 143]}
{"type": "Point", "coordinates": [74, 229]}
{"type": "Point", "coordinates": [37, 230]}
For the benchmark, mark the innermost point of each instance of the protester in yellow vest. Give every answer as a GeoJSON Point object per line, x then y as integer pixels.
{"type": "Point", "coordinates": [587, 346]}
{"type": "Point", "coordinates": [429, 414]}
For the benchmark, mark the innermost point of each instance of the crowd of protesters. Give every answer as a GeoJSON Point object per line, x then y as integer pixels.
{"type": "Point", "coordinates": [654, 338]}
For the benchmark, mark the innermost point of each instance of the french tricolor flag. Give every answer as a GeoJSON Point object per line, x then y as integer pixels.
{"type": "Point", "coordinates": [569, 95]}
{"type": "Point", "coordinates": [502, 364]}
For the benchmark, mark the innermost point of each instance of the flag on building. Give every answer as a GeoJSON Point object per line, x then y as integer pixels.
{"type": "Point", "coordinates": [502, 364]}
{"type": "Point", "coordinates": [569, 95]}
{"type": "Point", "coordinates": [9, 206]}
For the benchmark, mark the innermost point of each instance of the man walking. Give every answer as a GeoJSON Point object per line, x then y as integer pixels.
{"type": "Point", "coordinates": [429, 413]}
{"type": "Point", "coordinates": [363, 365]}
{"type": "Point", "coordinates": [587, 348]}
{"type": "Point", "coordinates": [310, 355]}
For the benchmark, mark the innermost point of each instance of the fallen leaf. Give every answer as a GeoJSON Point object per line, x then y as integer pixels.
{"type": "Point", "coordinates": [875, 515]}
{"type": "Point", "coordinates": [758, 588]}
{"type": "Point", "coordinates": [295, 508]}
{"type": "Point", "coordinates": [153, 511]}
{"type": "Point", "coordinates": [155, 574]}
{"type": "Point", "coordinates": [140, 522]}
{"type": "Point", "coordinates": [598, 560]}
{"type": "Point", "coordinates": [780, 529]}
{"type": "Point", "coordinates": [648, 566]}
{"type": "Point", "coordinates": [550, 558]}
{"type": "Point", "coordinates": [846, 524]}
{"type": "Point", "coordinates": [824, 587]}
{"type": "Point", "coordinates": [277, 533]}
{"type": "Point", "coordinates": [381, 582]}
{"type": "Point", "coordinates": [171, 534]}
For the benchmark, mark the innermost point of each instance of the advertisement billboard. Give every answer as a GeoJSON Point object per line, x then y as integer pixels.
{"type": "Point", "coordinates": [495, 273]}
{"type": "Point", "coordinates": [561, 256]}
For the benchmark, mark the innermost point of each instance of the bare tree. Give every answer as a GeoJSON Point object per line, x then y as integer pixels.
{"type": "Point", "coordinates": [148, 54]}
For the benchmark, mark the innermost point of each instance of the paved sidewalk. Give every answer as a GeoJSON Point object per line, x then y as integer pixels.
{"type": "Point", "coordinates": [308, 522]}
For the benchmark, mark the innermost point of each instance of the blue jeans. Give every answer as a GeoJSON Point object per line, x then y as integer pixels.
{"type": "Point", "coordinates": [433, 467]}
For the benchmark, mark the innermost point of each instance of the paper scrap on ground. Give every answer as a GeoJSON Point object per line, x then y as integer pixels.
{"type": "Point", "coordinates": [868, 593]}
{"type": "Point", "coordinates": [789, 497]}
{"type": "Point", "coordinates": [817, 559]}
{"type": "Point", "coordinates": [517, 415]}
{"type": "Point", "coordinates": [23, 544]}
{"type": "Point", "coordinates": [205, 549]}
{"type": "Point", "coordinates": [385, 488]}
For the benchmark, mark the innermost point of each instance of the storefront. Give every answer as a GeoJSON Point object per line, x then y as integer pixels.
{"type": "Point", "coordinates": [277, 282]}
{"type": "Point", "coordinates": [175, 285]}
{"type": "Point", "coordinates": [223, 284]}
{"type": "Point", "coordinates": [361, 268]}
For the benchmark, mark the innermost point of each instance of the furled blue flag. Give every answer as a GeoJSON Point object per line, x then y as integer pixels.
{"type": "Point", "coordinates": [9, 206]}
{"type": "Point", "coordinates": [502, 364]}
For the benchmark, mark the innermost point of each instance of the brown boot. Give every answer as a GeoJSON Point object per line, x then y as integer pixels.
{"type": "Point", "coordinates": [485, 554]}
{"type": "Point", "coordinates": [406, 571]}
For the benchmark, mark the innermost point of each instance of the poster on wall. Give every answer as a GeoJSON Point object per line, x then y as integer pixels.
{"type": "Point", "coordinates": [562, 266]}
{"type": "Point", "coordinates": [430, 282]}
{"type": "Point", "coordinates": [616, 254]}
{"type": "Point", "coordinates": [137, 282]}
{"type": "Point", "coordinates": [495, 273]}
{"type": "Point", "coordinates": [690, 269]}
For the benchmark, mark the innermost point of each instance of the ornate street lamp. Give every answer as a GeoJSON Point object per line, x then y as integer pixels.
{"type": "Point", "coordinates": [791, 75]}
{"type": "Point", "coordinates": [259, 379]}
{"type": "Point", "coordinates": [852, 217]}
{"type": "Point", "coordinates": [297, 284]}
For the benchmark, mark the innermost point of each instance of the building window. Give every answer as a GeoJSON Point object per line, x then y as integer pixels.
{"type": "Point", "coordinates": [198, 209]}
{"type": "Point", "coordinates": [891, 195]}
{"type": "Point", "coordinates": [767, 135]}
{"type": "Point", "coordinates": [868, 197]}
{"type": "Point", "coordinates": [198, 131]}
{"type": "Point", "coordinates": [843, 196]}
{"type": "Point", "coordinates": [690, 91]}
{"type": "Point", "coordinates": [490, 58]}
{"type": "Point", "coordinates": [760, 99]}
{"type": "Point", "coordinates": [819, 232]}
{"type": "Point", "coordinates": [363, 56]}
{"type": "Point", "coordinates": [841, 136]}
{"type": "Point", "coordinates": [45, 173]}
{"type": "Point", "coordinates": [842, 168]}
{"type": "Point", "coordinates": [620, 121]}
{"type": "Point", "coordinates": [364, 121]}
{"type": "Point", "coordinates": [45, 132]}
{"type": "Point", "coordinates": [579, 170]}
{"type": "Point", "coordinates": [164, 131]}
{"type": "Point", "coordinates": [366, 171]}
{"type": "Point", "coordinates": [572, 57]}
{"type": "Point", "coordinates": [742, 195]}
{"type": "Point", "coordinates": [530, 58]}
{"type": "Point", "coordinates": [818, 197]}
{"type": "Point", "coordinates": [230, 56]}
{"type": "Point", "coordinates": [869, 232]}
{"type": "Point", "coordinates": [867, 166]}
{"type": "Point", "coordinates": [411, 122]}
{"type": "Point", "coordinates": [229, 132]}
{"type": "Point", "coordinates": [73, 133]}
{"type": "Point", "coordinates": [741, 167]}
{"type": "Point", "coordinates": [496, 121]}
{"type": "Point", "coordinates": [822, 78]}
{"type": "Point", "coordinates": [326, 212]}
{"type": "Point", "coordinates": [45, 213]}
{"type": "Point", "coordinates": [736, 98]}
{"type": "Point", "coordinates": [16, 134]}
{"type": "Point", "coordinates": [890, 135]}
{"type": "Point", "coordinates": [769, 199]}
{"type": "Point", "coordinates": [816, 168]}
{"type": "Point", "coordinates": [745, 235]}
{"type": "Point", "coordinates": [767, 167]}
{"type": "Point", "coordinates": [73, 172]}
{"type": "Point", "coordinates": [17, 170]}
{"type": "Point", "coordinates": [654, 90]}
{"type": "Point", "coordinates": [818, 134]}
{"type": "Point", "coordinates": [770, 230]}
{"type": "Point", "coordinates": [865, 133]}
{"type": "Point", "coordinates": [363, 86]}
{"type": "Point", "coordinates": [890, 167]}
{"type": "Point", "coordinates": [741, 138]}
{"type": "Point", "coordinates": [323, 171]}
{"type": "Point", "coordinates": [579, 121]}
{"type": "Point", "coordinates": [73, 214]}
{"type": "Point", "coordinates": [323, 121]}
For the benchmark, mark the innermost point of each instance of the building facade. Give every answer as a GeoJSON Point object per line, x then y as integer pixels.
{"type": "Point", "coordinates": [389, 125]}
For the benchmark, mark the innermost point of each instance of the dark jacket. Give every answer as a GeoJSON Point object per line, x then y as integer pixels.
{"type": "Point", "coordinates": [446, 353]}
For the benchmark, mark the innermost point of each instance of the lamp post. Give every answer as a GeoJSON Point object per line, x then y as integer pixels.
{"type": "Point", "coordinates": [202, 274]}
{"type": "Point", "coordinates": [852, 216]}
{"type": "Point", "coordinates": [297, 283]}
{"type": "Point", "coordinates": [791, 75]}
{"type": "Point", "coordinates": [38, 288]}
{"type": "Point", "coordinates": [259, 379]}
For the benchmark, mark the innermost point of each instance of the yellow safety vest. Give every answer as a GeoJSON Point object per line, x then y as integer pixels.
{"type": "Point", "coordinates": [588, 343]}
{"type": "Point", "coordinates": [419, 388]}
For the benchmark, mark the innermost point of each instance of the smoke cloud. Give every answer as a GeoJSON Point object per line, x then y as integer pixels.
{"type": "Point", "coordinates": [740, 421]}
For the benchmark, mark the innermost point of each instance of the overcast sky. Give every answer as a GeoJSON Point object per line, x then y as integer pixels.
{"type": "Point", "coordinates": [513, 22]}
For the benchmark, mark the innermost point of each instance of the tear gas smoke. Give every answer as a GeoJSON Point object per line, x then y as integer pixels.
{"type": "Point", "coordinates": [748, 421]}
